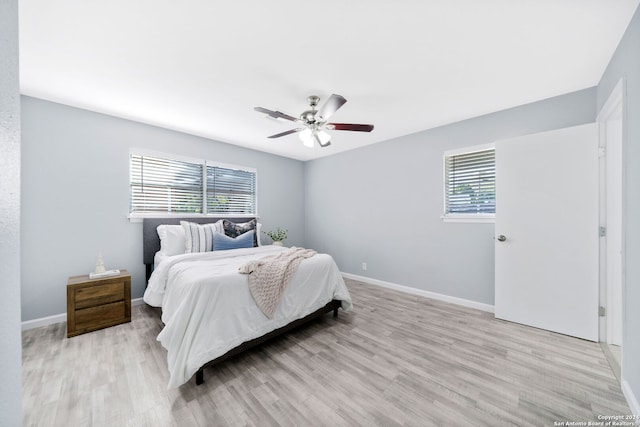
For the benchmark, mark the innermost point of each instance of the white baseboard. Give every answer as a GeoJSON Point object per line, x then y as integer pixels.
{"type": "Point", "coordinates": [59, 318]}
{"type": "Point", "coordinates": [423, 293]}
{"type": "Point", "coordinates": [44, 321]}
{"type": "Point", "coordinates": [634, 405]}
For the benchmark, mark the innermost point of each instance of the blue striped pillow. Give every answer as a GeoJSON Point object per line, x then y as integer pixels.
{"type": "Point", "coordinates": [199, 237]}
{"type": "Point", "coordinates": [222, 242]}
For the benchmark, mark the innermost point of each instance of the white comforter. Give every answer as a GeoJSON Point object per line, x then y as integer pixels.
{"type": "Point", "coordinates": [207, 308]}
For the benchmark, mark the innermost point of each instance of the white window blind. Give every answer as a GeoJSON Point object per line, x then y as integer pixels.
{"type": "Point", "coordinates": [178, 186]}
{"type": "Point", "coordinates": [470, 183]}
{"type": "Point", "coordinates": [230, 191]}
{"type": "Point", "coordinates": [164, 185]}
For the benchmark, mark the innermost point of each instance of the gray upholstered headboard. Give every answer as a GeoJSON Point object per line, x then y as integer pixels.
{"type": "Point", "coordinates": [151, 241]}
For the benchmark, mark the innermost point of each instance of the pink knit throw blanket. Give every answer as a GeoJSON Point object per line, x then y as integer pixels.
{"type": "Point", "coordinates": [269, 276]}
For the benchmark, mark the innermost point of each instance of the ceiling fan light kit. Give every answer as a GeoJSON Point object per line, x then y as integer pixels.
{"type": "Point", "coordinates": [309, 136]}
{"type": "Point", "coordinates": [315, 121]}
{"type": "Point", "coordinates": [306, 136]}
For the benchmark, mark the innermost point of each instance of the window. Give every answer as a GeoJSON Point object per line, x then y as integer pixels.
{"type": "Point", "coordinates": [470, 184]}
{"type": "Point", "coordinates": [163, 184]}
{"type": "Point", "coordinates": [230, 191]}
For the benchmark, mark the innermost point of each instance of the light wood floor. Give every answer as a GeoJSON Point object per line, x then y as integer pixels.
{"type": "Point", "coordinates": [396, 359]}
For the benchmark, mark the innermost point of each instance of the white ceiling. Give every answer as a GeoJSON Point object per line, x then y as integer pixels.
{"type": "Point", "coordinates": [200, 66]}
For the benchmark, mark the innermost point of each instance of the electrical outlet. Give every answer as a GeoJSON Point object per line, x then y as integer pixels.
{"type": "Point", "coordinates": [364, 266]}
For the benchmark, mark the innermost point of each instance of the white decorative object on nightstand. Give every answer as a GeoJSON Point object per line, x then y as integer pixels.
{"type": "Point", "coordinates": [99, 265]}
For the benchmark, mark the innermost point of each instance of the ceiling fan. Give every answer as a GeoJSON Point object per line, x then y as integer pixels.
{"type": "Point", "coordinates": [315, 122]}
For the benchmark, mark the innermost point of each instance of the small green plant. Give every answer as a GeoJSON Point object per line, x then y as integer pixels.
{"type": "Point", "coordinates": [278, 235]}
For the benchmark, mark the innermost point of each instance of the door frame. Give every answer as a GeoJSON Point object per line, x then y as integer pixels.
{"type": "Point", "coordinates": [612, 109]}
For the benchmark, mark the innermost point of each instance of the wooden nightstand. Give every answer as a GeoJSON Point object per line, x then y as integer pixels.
{"type": "Point", "coordinates": [97, 303]}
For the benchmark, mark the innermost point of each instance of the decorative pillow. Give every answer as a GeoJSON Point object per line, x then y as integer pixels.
{"type": "Point", "coordinates": [234, 230]}
{"type": "Point", "coordinates": [172, 239]}
{"type": "Point", "coordinates": [222, 242]}
{"type": "Point", "coordinates": [199, 237]}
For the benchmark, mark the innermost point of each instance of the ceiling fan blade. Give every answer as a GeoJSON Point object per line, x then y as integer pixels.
{"type": "Point", "coordinates": [331, 106]}
{"type": "Point", "coordinates": [317, 138]}
{"type": "Point", "coordinates": [289, 132]}
{"type": "Point", "coordinates": [350, 126]}
{"type": "Point", "coordinates": [276, 114]}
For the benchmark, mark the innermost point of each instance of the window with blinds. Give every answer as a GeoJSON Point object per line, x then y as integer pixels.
{"type": "Point", "coordinates": [230, 191]}
{"type": "Point", "coordinates": [177, 186]}
{"type": "Point", "coordinates": [470, 183]}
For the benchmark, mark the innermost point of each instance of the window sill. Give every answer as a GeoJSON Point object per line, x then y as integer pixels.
{"type": "Point", "coordinates": [140, 216]}
{"type": "Point", "coordinates": [470, 219]}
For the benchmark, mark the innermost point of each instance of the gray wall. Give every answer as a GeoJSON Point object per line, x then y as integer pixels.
{"type": "Point", "coordinates": [626, 63]}
{"type": "Point", "coordinates": [75, 189]}
{"type": "Point", "coordinates": [10, 354]}
{"type": "Point", "coordinates": [382, 204]}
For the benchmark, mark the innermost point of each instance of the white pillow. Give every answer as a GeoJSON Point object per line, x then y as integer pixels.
{"type": "Point", "coordinates": [172, 239]}
{"type": "Point", "coordinates": [258, 233]}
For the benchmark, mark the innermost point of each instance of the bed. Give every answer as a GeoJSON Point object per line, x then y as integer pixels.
{"type": "Point", "coordinates": [208, 311]}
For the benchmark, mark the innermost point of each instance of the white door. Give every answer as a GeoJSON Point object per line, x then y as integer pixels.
{"type": "Point", "coordinates": [546, 268]}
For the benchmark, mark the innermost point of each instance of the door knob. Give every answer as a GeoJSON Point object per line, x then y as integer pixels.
{"type": "Point", "coordinates": [502, 238]}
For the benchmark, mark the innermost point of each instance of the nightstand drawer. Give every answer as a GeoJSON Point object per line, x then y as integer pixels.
{"type": "Point", "coordinates": [99, 295]}
{"type": "Point", "coordinates": [100, 315]}
{"type": "Point", "coordinates": [97, 303]}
